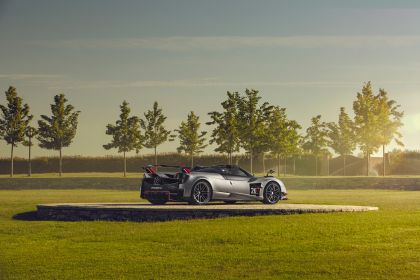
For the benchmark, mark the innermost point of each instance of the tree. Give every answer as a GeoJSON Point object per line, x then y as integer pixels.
{"type": "Point", "coordinates": [315, 141]}
{"type": "Point", "coordinates": [264, 138]}
{"type": "Point", "coordinates": [126, 134]}
{"type": "Point", "coordinates": [283, 137]}
{"type": "Point", "coordinates": [226, 133]}
{"type": "Point", "coordinates": [30, 133]}
{"type": "Point", "coordinates": [252, 119]}
{"type": "Point", "coordinates": [13, 122]}
{"type": "Point", "coordinates": [293, 142]}
{"type": "Point", "coordinates": [299, 151]}
{"type": "Point", "coordinates": [191, 140]}
{"type": "Point", "coordinates": [367, 110]}
{"type": "Point", "coordinates": [341, 136]}
{"type": "Point", "coordinates": [390, 120]}
{"type": "Point", "coordinates": [155, 132]}
{"type": "Point", "coordinates": [58, 130]}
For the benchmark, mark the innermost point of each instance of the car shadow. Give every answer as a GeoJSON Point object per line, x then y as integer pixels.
{"type": "Point", "coordinates": [27, 216]}
{"type": "Point", "coordinates": [32, 215]}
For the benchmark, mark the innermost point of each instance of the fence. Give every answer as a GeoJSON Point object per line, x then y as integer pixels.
{"type": "Point", "coordinates": [304, 165]}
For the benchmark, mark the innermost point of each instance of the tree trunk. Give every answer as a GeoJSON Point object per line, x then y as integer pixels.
{"type": "Point", "coordinates": [263, 162]}
{"type": "Point", "coordinates": [278, 165]}
{"type": "Point", "coordinates": [294, 165]}
{"type": "Point", "coordinates": [156, 162]}
{"type": "Point", "coordinates": [11, 160]}
{"type": "Point", "coordinates": [285, 166]}
{"type": "Point", "coordinates": [250, 153]}
{"type": "Point", "coordinates": [125, 164]}
{"type": "Point", "coordinates": [344, 165]}
{"type": "Point", "coordinates": [328, 165]}
{"type": "Point", "coordinates": [60, 164]}
{"type": "Point", "coordinates": [316, 165]}
{"type": "Point", "coordinates": [192, 160]}
{"type": "Point", "coordinates": [367, 164]}
{"type": "Point", "coordinates": [383, 161]}
{"type": "Point", "coordinates": [29, 159]}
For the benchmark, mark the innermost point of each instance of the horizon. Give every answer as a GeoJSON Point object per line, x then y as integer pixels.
{"type": "Point", "coordinates": [308, 58]}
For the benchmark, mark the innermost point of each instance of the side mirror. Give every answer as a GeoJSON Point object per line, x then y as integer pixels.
{"type": "Point", "coordinates": [271, 171]}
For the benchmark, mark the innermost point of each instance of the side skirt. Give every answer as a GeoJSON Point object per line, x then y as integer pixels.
{"type": "Point", "coordinates": [235, 196]}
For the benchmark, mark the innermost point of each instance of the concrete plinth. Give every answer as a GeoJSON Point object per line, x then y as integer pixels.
{"type": "Point", "coordinates": [147, 212]}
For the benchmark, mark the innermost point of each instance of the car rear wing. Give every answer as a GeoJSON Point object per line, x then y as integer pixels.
{"type": "Point", "coordinates": [152, 168]}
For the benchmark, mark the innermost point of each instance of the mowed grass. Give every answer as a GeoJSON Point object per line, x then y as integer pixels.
{"type": "Point", "coordinates": [371, 245]}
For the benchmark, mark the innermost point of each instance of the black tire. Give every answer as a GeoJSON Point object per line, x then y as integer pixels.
{"type": "Point", "coordinates": [201, 193]}
{"type": "Point", "coordinates": [230, 201]}
{"type": "Point", "coordinates": [157, 201]}
{"type": "Point", "coordinates": [272, 193]}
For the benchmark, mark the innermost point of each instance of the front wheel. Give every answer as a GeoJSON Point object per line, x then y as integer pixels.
{"type": "Point", "coordinates": [201, 193]}
{"type": "Point", "coordinates": [272, 193]}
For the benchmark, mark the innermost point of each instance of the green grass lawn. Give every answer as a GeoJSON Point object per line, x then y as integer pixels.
{"type": "Point", "coordinates": [371, 245]}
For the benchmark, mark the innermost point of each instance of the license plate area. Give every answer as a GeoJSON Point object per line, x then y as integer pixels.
{"type": "Point", "coordinates": [255, 189]}
{"type": "Point", "coordinates": [157, 194]}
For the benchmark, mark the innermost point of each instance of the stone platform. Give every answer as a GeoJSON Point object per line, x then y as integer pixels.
{"type": "Point", "coordinates": [147, 212]}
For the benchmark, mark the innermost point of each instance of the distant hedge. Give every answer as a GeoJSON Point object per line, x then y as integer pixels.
{"type": "Point", "coordinates": [299, 166]}
{"type": "Point", "coordinates": [292, 183]}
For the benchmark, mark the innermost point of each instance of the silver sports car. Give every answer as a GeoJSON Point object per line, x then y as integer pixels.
{"type": "Point", "coordinates": [228, 183]}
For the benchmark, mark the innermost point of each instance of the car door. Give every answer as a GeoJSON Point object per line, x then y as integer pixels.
{"type": "Point", "coordinates": [239, 181]}
{"type": "Point", "coordinates": [222, 182]}
{"type": "Point", "coordinates": [219, 181]}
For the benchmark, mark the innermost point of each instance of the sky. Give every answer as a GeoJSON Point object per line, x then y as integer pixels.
{"type": "Point", "coordinates": [310, 57]}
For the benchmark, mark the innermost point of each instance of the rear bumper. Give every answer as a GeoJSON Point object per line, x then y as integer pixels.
{"type": "Point", "coordinates": [157, 195]}
{"type": "Point", "coordinates": [170, 192]}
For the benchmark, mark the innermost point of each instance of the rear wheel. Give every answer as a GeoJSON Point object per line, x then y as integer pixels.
{"type": "Point", "coordinates": [158, 201]}
{"type": "Point", "coordinates": [201, 193]}
{"type": "Point", "coordinates": [272, 193]}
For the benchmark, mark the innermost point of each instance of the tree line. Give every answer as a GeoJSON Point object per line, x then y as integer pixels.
{"type": "Point", "coordinates": [54, 132]}
{"type": "Point", "coordinates": [244, 124]}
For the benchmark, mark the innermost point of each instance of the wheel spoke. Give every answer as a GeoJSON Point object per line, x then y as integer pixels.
{"type": "Point", "coordinates": [273, 193]}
